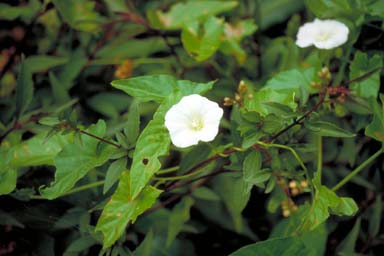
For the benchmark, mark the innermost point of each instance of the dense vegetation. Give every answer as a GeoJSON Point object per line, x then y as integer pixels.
{"type": "Point", "coordinates": [107, 147]}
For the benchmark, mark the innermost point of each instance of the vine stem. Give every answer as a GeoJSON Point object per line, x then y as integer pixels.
{"type": "Point", "coordinates": [75, 190]}
{"type": "Point", "coordinates": [294, 153]}
{"type": "Point", "coordinates": [319, 155]}
{"type": "Point", "coordinates": [181, 177]}
{"type": "Point", "coordinates": [358, 169]}
{"type": "Point", "coordinates": [100, 139]}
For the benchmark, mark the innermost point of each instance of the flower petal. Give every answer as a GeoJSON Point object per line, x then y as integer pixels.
{"type": "Point", "coordinates": [184, 138]}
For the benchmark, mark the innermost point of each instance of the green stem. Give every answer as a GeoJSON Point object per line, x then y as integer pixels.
{"type": "Point", "coordinates": [168, 170]}
{"type": "Point", "coordinates": [339, 76]}
{"type": "Point", "coordinates": [358, 169]}
{"type": "Point", "coordinates": [299, 160]}
{"type": "Point", "coordinates": [75, 190]}
{"type": "Point", "coordinates": [100, 139]}
{"type": "Point", "coordinates": [181, 176]}
{"type": "Point", "coordinates": [319, 155]}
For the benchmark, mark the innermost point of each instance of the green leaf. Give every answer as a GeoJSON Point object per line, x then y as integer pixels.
{"type": "Point", "coordinates": [314, 240]}
{"type": "Point", "coordinates": [324, 202]}
{"type": "Point", "coordinates": [202, 43]}
{"type": "Point", "coordinates": [268, 95]}
{"type": "Point", "coordinates": [77, 159]}
{"type": "Point", "coordinates": [79, 14]}
{"type": "Point", "coordinates": [120, 210]}
{"type": "Point", "coordinates": [362, 64]}
{"type": "Point", "coordinates": [179, 216]}
{"type": "Point", "coordinates": [39, 150]}
{"type": "Point", "coordinates": [70, 70]}
{"type": "Point", "coordinates": [287, 246]}
{"type": "Point", "coordinates": [233, 34]}
{"type": "Point", "coordinates": [147, 88]}
{"type": "Point", "coordinates": [27, 11]}
{"type": "Point", "coordinates": [283, 89]}
{"type": "Point", "coordinates": [79, 245]}
{"type": "Point", "coordinates": [347, 246]}
{"type": "Point", "coordinates": [181, 14]}
{"type": "Point", "coordinates": [109, 104]}
{"type": "Point", "coordinates": [113, 173]}
{"type": "Point", "coordinates": [154, 141]}
{"type": "Point", "coordinates": [277, 11]}
{"type": "Point", "coordinates": [375, 219]}
{"type": "Point", "coordinates": [119, 50]}
{"type": "Point", "coordinates": [293, 82]}
{"type": "Point", "coordinates": [352, 10]}
{"type": "Point", "coordinates": [252, 172]}
{"type": "Point", "coordinates": [8, 178]}
{"type": "Point", "coordinates": [328, 130]}
{"type": "Point", "coordinates": [376, 128]}
{"type": "Point", "coordinates": [238, 197]}
{"type": "Point", "coordinates": [24, 89]}
{"type": "Point", "coordinates": [59, 92]}
{"type": "Point", "coordinates": [41, 63]}
{"type": "Point", "coordinates": [205, 193]}
{"type": "Point", "coordinates": [145, 248]}
{"type": "Point", "coordinates": [8, 219]}
{"type": "Point", "coordinates": [376, 8]}
{"type": "Point", "coordinates": [132, 128]}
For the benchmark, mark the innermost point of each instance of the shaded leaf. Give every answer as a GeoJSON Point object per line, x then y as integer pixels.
{"type": "Point", "coordinates": [287, 246]}
{"type": "Point", "coordinates": [362, 64]}
{"type": "Point", "coordinates": [28, 11]}
{"type": "Point", "coordinates": [145, 248]}
{"type": "Point", "coordinates": [40, 63]}
{"type": "Point", "coordinates": [376, 128]}
{"type": "Point", "coordinates": [59, 92]}
{"type": "Point", "coordinates": [113, 173]}
{"type": "Point", "coordinates": [24, 89]}
{"type": "Point", "coordinates": [132, 128]}
{"type": "Point", "coordinates": [375, 219]}
{"type": "Point", "coordinates": [119, 50]}
{"type": "Point", "coordinates": [79, 14]}
{"type": "Point", "coordinates": [79, 245]}
{"type": "Point", "coordinates": [179, 216]}
{"type": "Point", "coordinates": [347, 246]}
{"type": "Point", "coordinates": [237, 199]}
{"type": "Point", "coordinates": [327, 129]}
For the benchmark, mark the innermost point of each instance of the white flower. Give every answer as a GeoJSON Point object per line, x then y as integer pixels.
{"type": "Point", "coordinates": [324, 34]}
{"type": "Point", "coordinates": [193, 119]}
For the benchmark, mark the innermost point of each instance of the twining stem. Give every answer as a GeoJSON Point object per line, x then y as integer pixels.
{"type": "Point", "coordinates": [294, 153]}
{"type": "Point", "coordinates": [358, 169]}
{"type": "Point", "coordinates": [319, 155]}
{"type": "Point", "coordinates": [75, 190]}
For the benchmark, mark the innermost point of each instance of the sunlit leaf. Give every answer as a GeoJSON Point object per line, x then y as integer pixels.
{"type": "Point", "coordinates": [176, 17]}
{"type": "Point", "coordinates": [77, 159]}
{"type": "Point", "coordinates": [202, 42]}
{"type": "Point", "coordinates": [120, 210]}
